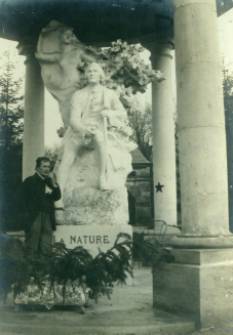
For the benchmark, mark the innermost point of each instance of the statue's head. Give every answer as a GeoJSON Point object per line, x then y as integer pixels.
{"type": "Point", "coordinates": [68, 37]}
{"type": "Point", "coordinates": [57, 34]}
{"type": "Point", "coordinates": [94, 73]}
{"type": "Point", "coordinates": [52, 26]}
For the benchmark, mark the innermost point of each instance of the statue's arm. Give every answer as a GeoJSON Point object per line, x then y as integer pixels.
{"type": "Point", "coordinates": [44, 56]}
{"type": "Point", "coordinates": [118, 118]}
{"type": "Point", "coordinates": [75, 115]}
{"type": "Point", "coordinates": [117, 113]}
{"type": "Point", "coordinates": [48, 58]}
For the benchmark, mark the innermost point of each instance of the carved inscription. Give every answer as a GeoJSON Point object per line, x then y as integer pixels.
{"type": "Point", "coordinates": [89, 239]}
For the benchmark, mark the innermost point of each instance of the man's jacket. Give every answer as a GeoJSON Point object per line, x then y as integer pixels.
{"type": "Point", "coordinates": [35, 197]}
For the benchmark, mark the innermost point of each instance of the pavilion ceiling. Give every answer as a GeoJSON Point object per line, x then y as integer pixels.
{"type": "Point", "coordinates": [94, 21]}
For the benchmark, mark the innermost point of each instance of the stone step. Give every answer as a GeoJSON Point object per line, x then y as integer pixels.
{"type": "Point", "coordinates": [52, 327]}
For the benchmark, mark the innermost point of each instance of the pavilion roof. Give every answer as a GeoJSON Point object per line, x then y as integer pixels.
{"type": "Point", "coordinates": [94, 21]}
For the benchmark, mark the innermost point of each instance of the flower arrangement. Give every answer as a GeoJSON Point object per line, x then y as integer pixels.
{"type": "Point", "coordinates": [72, 276]}
{"type": "Point", "coordinates": [65, 276]}
{"type": "Point", "coordinates": [127, 67]}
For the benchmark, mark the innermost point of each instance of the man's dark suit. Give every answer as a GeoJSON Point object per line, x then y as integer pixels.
{"type": "Point", "coordinates": [37, 204]}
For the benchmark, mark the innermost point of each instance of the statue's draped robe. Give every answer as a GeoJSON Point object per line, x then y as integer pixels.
{"type": "Point", "coordinates": [84, 202]}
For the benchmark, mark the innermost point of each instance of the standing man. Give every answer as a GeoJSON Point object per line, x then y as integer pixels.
{"type": "Point", "coordinates": [38, 193]}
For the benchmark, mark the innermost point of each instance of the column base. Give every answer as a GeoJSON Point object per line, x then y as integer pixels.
{"type": "Point", "coordinates": [202, 242]}
{"type": "Point", "coordinates": [162, 228]}
{"type": "Point", "coordinates": [198, 284]}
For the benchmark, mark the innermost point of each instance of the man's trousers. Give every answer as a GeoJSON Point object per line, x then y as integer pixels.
{"type": "Point", "coordinates": [40, 236]}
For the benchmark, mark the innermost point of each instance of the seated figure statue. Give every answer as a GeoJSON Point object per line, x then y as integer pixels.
{"type": "Point", "coordinates": [96, 145]}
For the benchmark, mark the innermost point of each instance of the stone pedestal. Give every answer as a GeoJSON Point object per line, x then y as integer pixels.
{"type": "Point", "coordinates": [93, 237]}
{"type": "Point", "coordinates": [199, 284]}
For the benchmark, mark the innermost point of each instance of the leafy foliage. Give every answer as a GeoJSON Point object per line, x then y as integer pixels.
{"type": "Point", "coordinates": [227, 83]}
{"type": "Point", "coordinates": [11, 131]}
{"type": "Point", "coordinates": [11, 112]}
{"type": "Point", "coordinates": [141, 123]}
{"type": "Point", "coordinates": [126, 66]}
{"type": "Point", "coordinates": [129, 71]}
{"type": "Point", "coordinates": [228, 105]}
{"type": "Point", "coordinates": [77, 267]}
{"type": "Point", "coordinates": [64, 266]}
{"type": "Point", "coordinates": [13, 267]}
{"type": "Point", "coordinates": [110, 267]}
{"type": "Point", "coordinates": [151, 249]}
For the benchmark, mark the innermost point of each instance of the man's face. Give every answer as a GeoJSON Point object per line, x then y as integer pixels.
{"type": "Point", "coordinates": [44, 169]}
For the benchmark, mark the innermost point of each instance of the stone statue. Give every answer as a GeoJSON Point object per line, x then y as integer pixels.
{"type": "Point", "coordinates": [96, 154]}
{"type": "Point", "coordinates": [61, 56]}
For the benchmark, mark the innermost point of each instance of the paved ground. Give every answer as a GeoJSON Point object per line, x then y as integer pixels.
{"type": "Point", "coordinates": [226, 330]}
{"type": "Point", "coordinates": [128, 312]}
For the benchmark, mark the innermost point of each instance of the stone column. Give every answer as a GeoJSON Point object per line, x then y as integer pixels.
{"type": "Point", "coordinates": [164, 155]}
{"type": "Point", "coordinates": [33, 139]}
{"type": "Point", "coordinates": [201, 123]}
{"type": "Point", "coordinates": [198, 282]}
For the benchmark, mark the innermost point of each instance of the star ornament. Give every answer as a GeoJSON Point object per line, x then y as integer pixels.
{"type": "Point", "coordinates": [159, 187]}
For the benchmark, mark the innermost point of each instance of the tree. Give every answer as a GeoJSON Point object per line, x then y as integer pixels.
{"type": "Point", "coordinates": [11, 131]}
{"type": "Point", "coordinates": [129, 71]}
{"type": "Point", "coordinates": [11, 112]}
{"type": "Point", "coordinates": [140, 120]}
{"type": "Point", "coordinates": [228, 104]}
{"type": "Point", "coordinates": [227, 83]}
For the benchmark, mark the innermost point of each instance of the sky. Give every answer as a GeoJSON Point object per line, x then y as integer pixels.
{"type": "Point", "coordinates": [52, 116]}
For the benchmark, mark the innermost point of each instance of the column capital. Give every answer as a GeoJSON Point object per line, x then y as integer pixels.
{"type": "Point", "coordinates": [27, 49]}
{"type": "Point", "coordinates": [159, 44]}
{"type": "Point", "coordinates": [159, 48]}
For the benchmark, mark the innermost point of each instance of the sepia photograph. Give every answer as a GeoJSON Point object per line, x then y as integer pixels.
{"type": "Point", "coordinates": [116, 167]}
